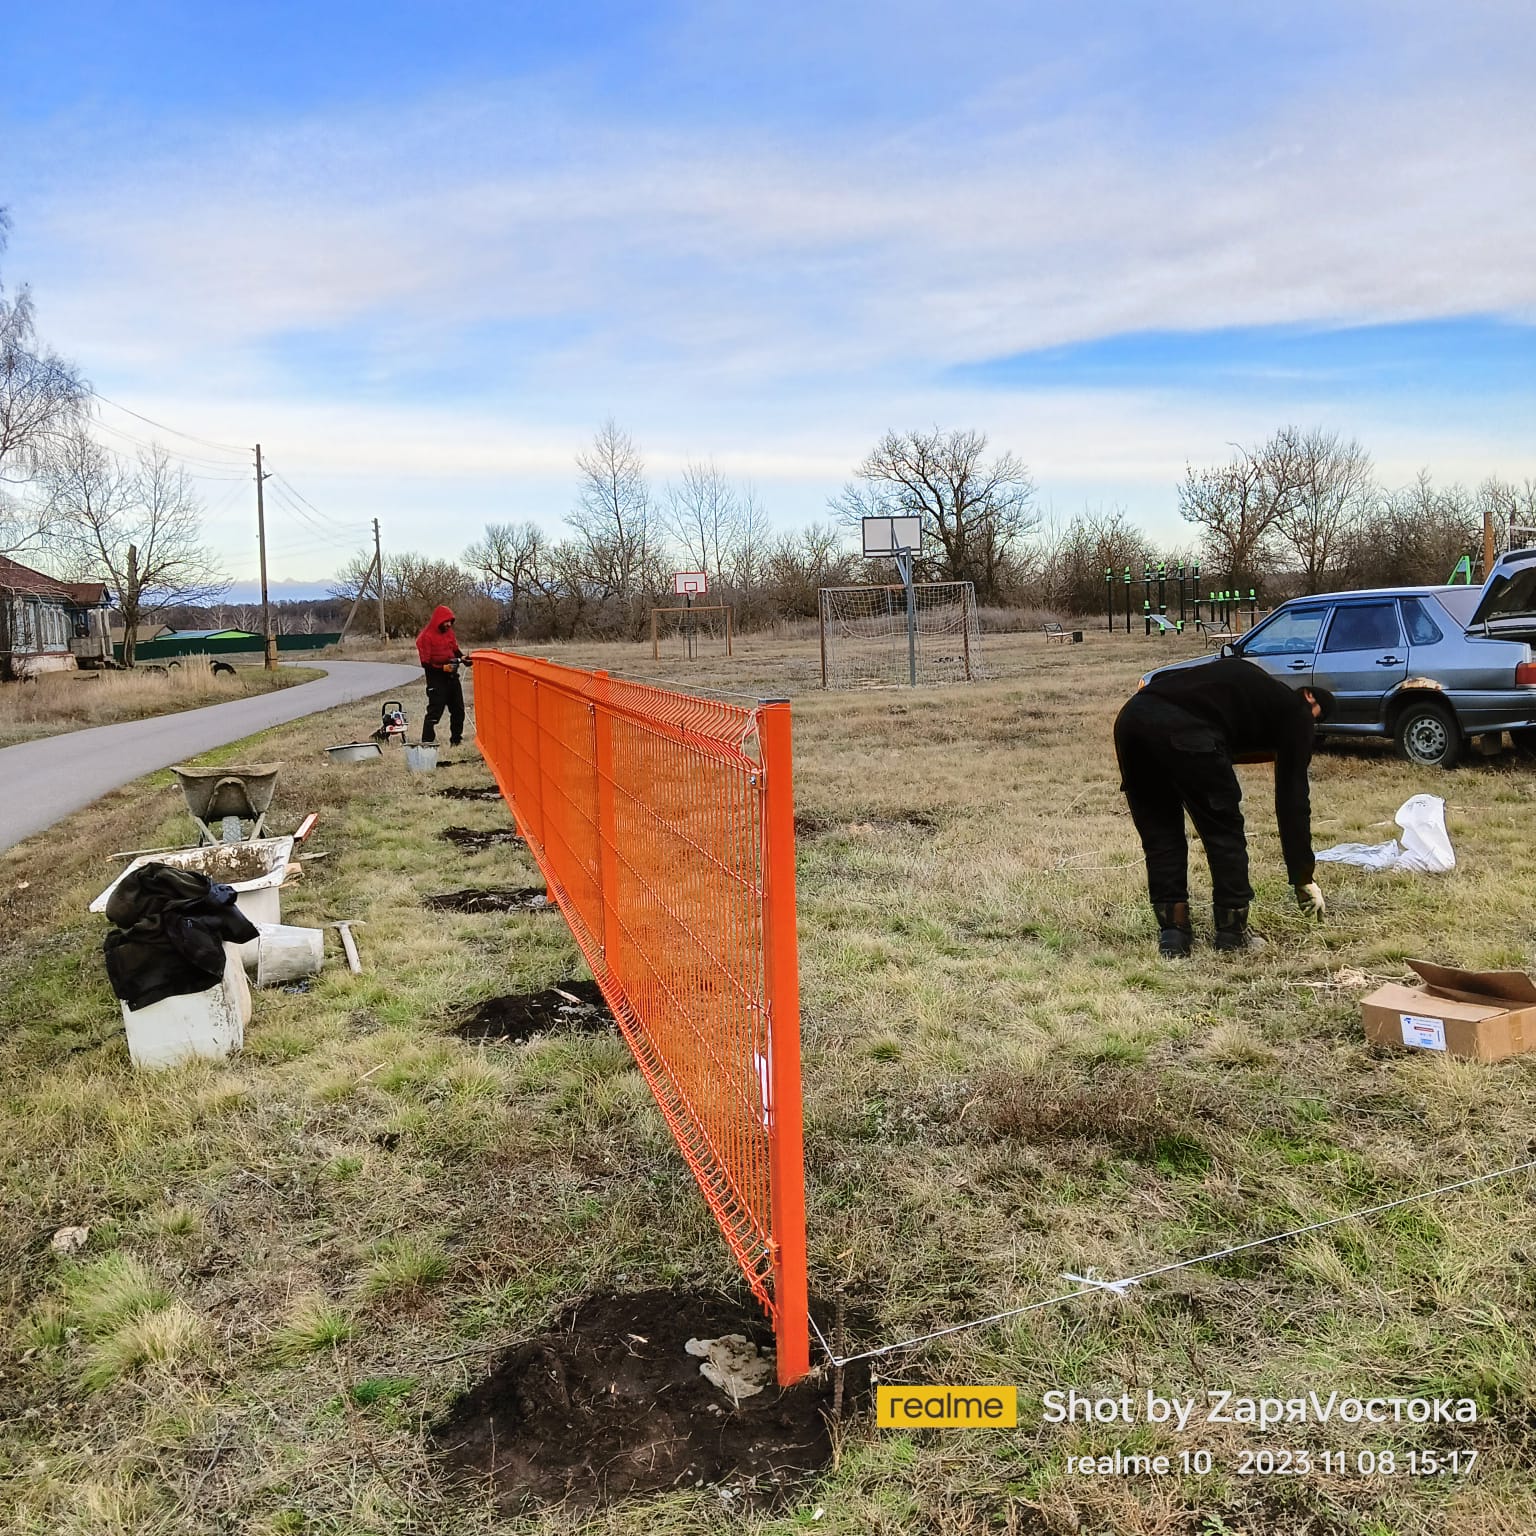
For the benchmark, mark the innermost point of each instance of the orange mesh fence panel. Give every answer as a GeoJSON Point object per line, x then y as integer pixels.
{"type": "Point", "coordinates": [664, 827]}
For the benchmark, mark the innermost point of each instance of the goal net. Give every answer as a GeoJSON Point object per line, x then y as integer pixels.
{"type": "Point", "coordinates": [692, 633]}
{"type": "Point", "coordinates": [864, 635]}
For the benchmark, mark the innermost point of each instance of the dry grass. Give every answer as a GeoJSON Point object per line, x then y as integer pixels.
{"type": "Point", "coordinates": [71, 701]}
{"type": "Point", "coordinates": [301, 1256]}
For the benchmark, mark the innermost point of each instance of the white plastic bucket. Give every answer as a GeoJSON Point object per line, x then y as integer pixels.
{"type": "Point", "coordinates": [210, 1023]}
{"type": "Point", "coordinates": [286, 954]}
{"type": "Point", "coordinates": [422, 759]}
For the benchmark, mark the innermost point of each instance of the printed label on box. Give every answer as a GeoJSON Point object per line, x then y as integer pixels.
{"type": "Point", "coordinates": [1426, 1034]}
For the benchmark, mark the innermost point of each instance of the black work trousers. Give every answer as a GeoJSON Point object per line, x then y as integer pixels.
{"type": "Point", "coordinates": [444, 691]}
{"type": "Point", "coordinates": [1171, 762]}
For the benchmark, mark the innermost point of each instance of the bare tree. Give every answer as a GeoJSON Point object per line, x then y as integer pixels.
{"type": "Point", "coordinates": [798, 565]}
{"type": "Point", "coordinates": [1323, 490]}
{"type": "Point", "coordinates": [1093, 542]}
{"type": "Point", "coordinates": [1239, 505]}
{"type": "Point", "coordinates": [41, 399]}
{"type": "Point", "coordinates": [1414, 534]}
{"type": "Point", "coordinates": [141, 527]}
{"type": "Point", "coordinates": [703, 513]}
{"type": "Point", "coordinates": [1512, 509]}
{"type": "Point", "coordinates": [507, 555]}
{"type": "Point", "coordinates": [975, 512]}
{"type": "Point", "coordinates": [617, 534]}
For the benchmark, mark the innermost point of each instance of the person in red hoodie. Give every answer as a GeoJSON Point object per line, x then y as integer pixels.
{"type": "Point", "coordinates": [438, 648]}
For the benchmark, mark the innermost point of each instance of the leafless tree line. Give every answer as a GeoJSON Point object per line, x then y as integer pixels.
{"type": "Point", "coordinates": [82, 509]}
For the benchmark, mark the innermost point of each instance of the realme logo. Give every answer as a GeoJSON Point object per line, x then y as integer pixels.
{"type": "Point", "coordinates": [946, 1407]}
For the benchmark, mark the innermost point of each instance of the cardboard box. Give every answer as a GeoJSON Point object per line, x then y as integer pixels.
{"type": "Point", "coordinates": [1487, 1015]}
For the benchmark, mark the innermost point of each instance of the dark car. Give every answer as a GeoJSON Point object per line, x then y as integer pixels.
{"type": "Point", "coordinates": [1428, 667]}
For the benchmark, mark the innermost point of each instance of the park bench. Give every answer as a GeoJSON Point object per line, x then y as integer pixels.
{"type": "Point", "coordinates": [1215, 631]}
{"type": "Point", "coordinates": [1054, 631]}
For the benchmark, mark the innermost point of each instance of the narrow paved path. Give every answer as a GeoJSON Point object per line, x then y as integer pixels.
{"type": "Point", "coordinates": [43, 781]}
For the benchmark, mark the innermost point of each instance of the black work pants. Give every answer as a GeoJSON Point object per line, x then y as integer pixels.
{"type": "Point", "coordinates": [1171, 762]}
{"type": "Point", "coordinates": [444, 691]}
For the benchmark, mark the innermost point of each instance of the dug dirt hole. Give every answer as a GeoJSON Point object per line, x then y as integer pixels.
{"type": "Point", "coordinates": [470, 792]}
{"type": "Point", "coordinates": [495, 898]}
{"type": "Point", "coordinates": [471, 841]}
{"type": "Point", "coordinates": [610, 1403]}
{"type": "Point", "coordinates": [575, 1006]}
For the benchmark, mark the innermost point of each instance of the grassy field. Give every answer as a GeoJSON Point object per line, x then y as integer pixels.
{"type": "Point", "coordinates": [297, 1259]}
{"type": "Point", "coordinates": [71, 701]}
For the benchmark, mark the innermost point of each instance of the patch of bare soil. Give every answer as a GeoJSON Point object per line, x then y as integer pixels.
{"type": "Point", "coordinates": [811, 824]}
{"type": "Point", "coordinates": [494, 898]}
{"type": "Point", "coordinates": [470, 792]}
{"type": "Point", "coordinates": [472, 841]}
{"type": "Point", "coordinates": [575, 1006]}
{"type": "Point", "coordinates": [610, 1404]}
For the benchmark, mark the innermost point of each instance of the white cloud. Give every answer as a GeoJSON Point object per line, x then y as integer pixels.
{"type": "Point", "coordinates": [435, 305]}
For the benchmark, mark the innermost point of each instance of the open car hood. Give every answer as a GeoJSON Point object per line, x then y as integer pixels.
{"type": "Point", "coordinates": [1510, 591]}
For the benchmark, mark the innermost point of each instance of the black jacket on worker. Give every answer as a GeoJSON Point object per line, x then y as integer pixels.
{"type": "Point", "coordinates": [1177, 740]}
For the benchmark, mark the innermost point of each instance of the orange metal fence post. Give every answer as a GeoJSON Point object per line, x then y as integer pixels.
{"type": "Point", "coordinates": [782, 973]}
{"type": "Point", "coordinates": [607, 822]}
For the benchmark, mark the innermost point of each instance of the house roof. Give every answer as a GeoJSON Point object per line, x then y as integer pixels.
{"type": "Point", "coordinates": [15, 577]}
{"type": "Point", "coordinates": [210, 634]}
{"type": "Point", "coordinates": [88, 594]}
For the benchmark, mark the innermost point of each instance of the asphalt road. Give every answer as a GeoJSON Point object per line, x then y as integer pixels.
{"type": "Point", "coordinates": [43, 781]}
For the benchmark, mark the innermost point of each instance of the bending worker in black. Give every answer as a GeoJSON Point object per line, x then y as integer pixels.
{"type": "Point", "coordinates": [1176, 741]}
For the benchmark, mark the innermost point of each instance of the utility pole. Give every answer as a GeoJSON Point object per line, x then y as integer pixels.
{"type": "Point", "coordinates": [378, 575]}
{"type": "Point", "coordinates": [269, 647]}
{"type": "Point", "coordinates": [1488, 540]}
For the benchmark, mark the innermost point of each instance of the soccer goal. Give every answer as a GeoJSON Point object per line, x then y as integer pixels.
{"type": "Point", "coordinates": [866, 643]}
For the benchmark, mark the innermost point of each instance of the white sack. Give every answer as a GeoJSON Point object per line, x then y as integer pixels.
{"type": "Point", "coordinates": [1425, 848]}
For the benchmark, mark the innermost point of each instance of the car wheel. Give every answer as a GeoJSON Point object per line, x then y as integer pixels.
{"type": "Point", "coordinates": [1525, 740]}
{"type": "Point", "coordinates": [1427, 734]}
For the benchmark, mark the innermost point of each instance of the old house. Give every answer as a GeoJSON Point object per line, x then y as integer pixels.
{"type": "Point", "coordinates": [47, 625]}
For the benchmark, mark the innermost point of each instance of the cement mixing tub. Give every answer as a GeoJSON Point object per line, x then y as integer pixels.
{"type": "Point", "coordinates": [355, 752]}
{"type": "Point", "coordinates": [229, 794]}
{"type": "Point", "coordinates": [254, 869]}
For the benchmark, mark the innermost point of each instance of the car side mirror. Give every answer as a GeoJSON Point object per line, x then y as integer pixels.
{"type": "Point", "coordinates": [1228, 650]}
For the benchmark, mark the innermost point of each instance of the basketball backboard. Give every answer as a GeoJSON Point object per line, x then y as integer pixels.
{"type": "Point", "coordinates": [892, 535]}
{"type": "Point", "coordinates": [690, 583]}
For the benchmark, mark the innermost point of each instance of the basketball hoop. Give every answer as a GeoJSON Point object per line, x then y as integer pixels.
{"type": "Point", "coordinates": [690, 583]}
{"type": "Point", "coordinates": [887, 536]}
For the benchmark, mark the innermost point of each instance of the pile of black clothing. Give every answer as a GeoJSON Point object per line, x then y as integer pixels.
{"type": "Point", "coordinates": [170, 929]}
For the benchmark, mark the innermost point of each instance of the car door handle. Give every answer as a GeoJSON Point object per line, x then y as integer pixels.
{"type": "Point", "coordinates": [1300, 666]}
{"type": "Point", "coordinates": [1389, 661]}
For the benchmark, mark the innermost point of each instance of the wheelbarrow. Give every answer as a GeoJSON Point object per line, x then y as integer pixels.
{"type": "Point", "coordinates": [228, 795]}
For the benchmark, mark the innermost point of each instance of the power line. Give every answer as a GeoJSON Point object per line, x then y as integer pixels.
{"type": "Point", "coordinates": [149, 421]}
{"type": "Point", "coordinates": [194, 464]}
{"type": "Point", "coordinates": [324, 517]}
{"type": "Point", "coordinates": [328, 533]}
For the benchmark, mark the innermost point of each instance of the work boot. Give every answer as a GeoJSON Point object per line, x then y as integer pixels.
{"type": "Point", "coordinates": [1175, 934]}
{"type": "Point", "coordinates": [1232, 930]}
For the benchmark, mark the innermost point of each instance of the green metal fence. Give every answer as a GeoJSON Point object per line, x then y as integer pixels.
{"type": "Point", "coordinates": [172, 645]}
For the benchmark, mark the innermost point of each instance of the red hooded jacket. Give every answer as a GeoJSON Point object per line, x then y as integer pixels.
{"type": "Point", "coordinates": [435, 645]}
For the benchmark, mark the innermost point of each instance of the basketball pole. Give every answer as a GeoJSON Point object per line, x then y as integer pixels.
{"type": "Point", "coordinates": [904, 566]}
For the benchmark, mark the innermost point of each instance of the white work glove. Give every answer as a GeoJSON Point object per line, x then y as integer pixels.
{"type": "Point", "coordinates": [1309, 898]}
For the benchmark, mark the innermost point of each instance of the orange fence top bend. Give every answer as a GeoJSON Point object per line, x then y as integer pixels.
{"type": "Point", "coordinates": [664, 827]}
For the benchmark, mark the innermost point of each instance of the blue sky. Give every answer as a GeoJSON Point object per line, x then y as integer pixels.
{"type": "Point", "coordinates": [420, 251]}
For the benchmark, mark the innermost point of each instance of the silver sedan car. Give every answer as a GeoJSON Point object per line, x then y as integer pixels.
{"type": "Point", "coordinates": [1429, 668]}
